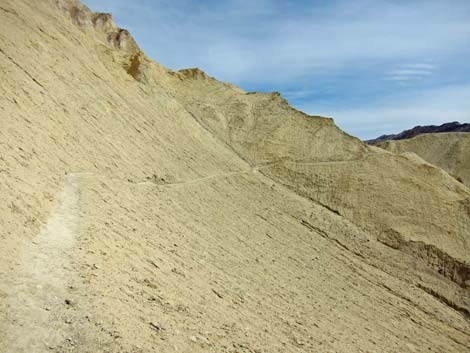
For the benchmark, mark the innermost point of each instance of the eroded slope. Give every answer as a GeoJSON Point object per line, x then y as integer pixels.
{"type": "Point", "coordinates": [177, 243]}
{"type": "Point", "coordinates": [449, 151]}
{"type": "Point", "coordinates": [379, 191]}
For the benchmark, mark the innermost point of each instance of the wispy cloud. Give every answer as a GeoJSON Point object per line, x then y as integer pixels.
{"type": "Point", "coordinates": [411, 72]}
{"type": "Point", "coordinates": [420, 66]}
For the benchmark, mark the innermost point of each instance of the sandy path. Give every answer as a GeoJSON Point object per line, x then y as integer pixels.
{"type": "Point", "coordinates": [194, 181]}
{"type": "Point", "coordinates": [37, 308]}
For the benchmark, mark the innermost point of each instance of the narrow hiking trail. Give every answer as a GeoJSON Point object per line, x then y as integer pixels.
{"type": "Point", "coordinates": [39, 312]}
{"type": "Point", "coordinates": [195, 181]}
{"type": "Point", "coordinates": [36, 305]}
{"type": "Point", "coordinates": [254, 168]}
{"type": "Point", "coordinates": [94, 319]}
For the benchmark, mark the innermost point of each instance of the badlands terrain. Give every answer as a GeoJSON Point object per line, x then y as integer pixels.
{"type": "Point", "coordinates": [150, 210]}
{"type": "Point", "coordinates": [449, 151]}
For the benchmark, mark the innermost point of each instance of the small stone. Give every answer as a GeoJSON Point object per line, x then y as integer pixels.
{"type": "Point", "coordinates": [70, 302]}
{"type": "Point", "coordinates": [157, 326]}
{"type": "Point", "coordinates": [203, 340]}
{"type": "Point", "coordinates": [199, 339]}
{"type": "Point", "coordinates": [70, 341]}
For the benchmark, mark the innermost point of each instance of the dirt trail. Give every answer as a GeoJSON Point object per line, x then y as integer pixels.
{"type": "Point", "coordinates": [254, 169]}
{"type": "Point", "coordinates": [37, 305]}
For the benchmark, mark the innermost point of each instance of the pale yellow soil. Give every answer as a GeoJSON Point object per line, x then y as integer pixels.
{"type": "Point", "coordinates": [449, 151]}
{"type": "Point", "coordinates": [374, 189]}
{"type": "Point", "coordinates": [145, 210]}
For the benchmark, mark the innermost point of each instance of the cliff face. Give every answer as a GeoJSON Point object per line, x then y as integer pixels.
{"type": "Point", "coordinates": [449, 151]}
{"type": "Point", "coordinates": [150, 210]}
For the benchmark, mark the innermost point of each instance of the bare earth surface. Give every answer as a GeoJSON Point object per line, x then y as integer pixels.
{"type": "Point", "coordinates": [41, 278]}
{"type": "Point", "coordinates": [449, 151]}
{"type": "Point", "coordinates": [147, 210]}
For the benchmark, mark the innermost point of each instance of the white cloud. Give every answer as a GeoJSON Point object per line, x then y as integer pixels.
{"type": "Point", "coordinates": [420, 66]}
{"type": "Point", "coordinates": [411, 72]}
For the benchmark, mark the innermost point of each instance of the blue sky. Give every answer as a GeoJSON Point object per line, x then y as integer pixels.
{"type": "Point", "coordinates": [375, 66]}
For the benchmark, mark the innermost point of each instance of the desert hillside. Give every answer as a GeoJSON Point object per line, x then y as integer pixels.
{"type": "Point", "coordinates": [449, 151]}
{"type": "Point", "coordinates": [148, 210]}
{"type": "Point", "coordinates": [315, 159]}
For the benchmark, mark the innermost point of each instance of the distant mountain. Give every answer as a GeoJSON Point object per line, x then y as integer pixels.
{"type": "Point", "coordinates": [418, 130]}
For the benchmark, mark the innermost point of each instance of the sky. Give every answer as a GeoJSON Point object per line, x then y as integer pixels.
{"type": "Point", "coordinates": [375, 66]}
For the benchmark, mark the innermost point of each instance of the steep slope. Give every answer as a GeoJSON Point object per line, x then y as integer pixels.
{"type": "Point", "coordinates": [427, 129]}
{"type": "Point", "coordinates": [381, 192]}
{"type": "Point", "coordinates": [128, 223]}
{"type": "Point", "coordinates": [449, 151]}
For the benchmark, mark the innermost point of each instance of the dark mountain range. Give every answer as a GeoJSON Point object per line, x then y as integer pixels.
{"type": "Point", "coordinates": [428, 129]}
